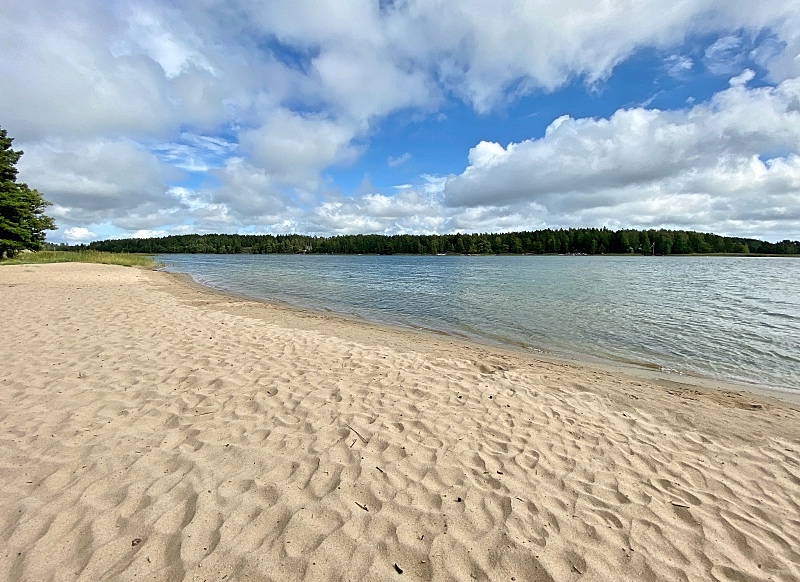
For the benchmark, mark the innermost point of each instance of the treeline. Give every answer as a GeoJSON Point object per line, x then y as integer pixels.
{"type": "Point", "coordinates": [591, 241]}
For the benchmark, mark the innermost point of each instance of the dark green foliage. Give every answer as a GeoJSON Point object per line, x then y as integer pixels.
{"type": "Point", "coordinates": [581, 240]}
{"type": "Point", "coordinates": [22, 218]}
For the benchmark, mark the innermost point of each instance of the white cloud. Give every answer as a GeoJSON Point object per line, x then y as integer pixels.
{"type": "Point", "coordinates": [60, 77]}
{"type": "Point", "coordinates": [393, 162]}
{"type": "Point", "coordinates": [409, 211]}
{"type": "Point", "coordinates": [650, 167]}
{"type": "Point", "coordinates": [678, 65]}
{"type": "Point", "coordinates": [166, 38]}
{"type": "Point", "coordinates": [743, 79]}
{"type": "Point", "coordinates": [725, 55]}
{"type": "Point", "coordinates": [250, 195]}
{"type": "Point", "coordinates": [115, 101]}
{"type": "Point", "coordinates": [293, 148]}
{"type": "Point", "coordinates": [377, 86]}
{"type": "Point", "coordinates": [78, 234]}
{"type": "Point", "coordinates": [98, 176]}
{"type": "Point", "coordinates": [480, 50]}
{"type": "Point", "coordinates": [148, 233]}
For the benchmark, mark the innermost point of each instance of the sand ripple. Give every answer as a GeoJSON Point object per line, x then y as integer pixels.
{"type": "Point", "coordinates": [154, 431]}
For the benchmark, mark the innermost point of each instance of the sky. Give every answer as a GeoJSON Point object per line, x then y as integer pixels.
{"type": "Point", "coordinates": [149, 118]}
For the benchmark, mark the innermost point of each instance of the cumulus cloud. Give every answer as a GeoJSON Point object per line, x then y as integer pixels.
{"type": "Point", "coordinates": [250, 195]}
{"type": "Point", "coordinates": [61, 78]}
{"type": "Point", "coordinates": [376, 86]}
{"type": "Point", "coordinates": [285, 149]}
{"type": "Point", "coordinates": [147, 233]}
{"type": "Point", "coordinates": [96, 178]}
{"type": "Point", "coordinates": [164, 36]}
{"type": "Point", "coordinates": [79, 234]}
{"type": "Point", "coordinates": [743, 79]}
{"type": "Point", "coordinates": [410, 211]}
{"type": "Point", "coordinates": [712, 164]}
{"type": "Point", "coordinates": [195, 153]}
{"type": "Point", "coordinates": [481, 50]}
{"type": "Point", "coordinates": [116, 103]}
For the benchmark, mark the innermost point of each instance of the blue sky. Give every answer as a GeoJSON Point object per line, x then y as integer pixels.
{"type": "Point", "coordinates": [146, 118]}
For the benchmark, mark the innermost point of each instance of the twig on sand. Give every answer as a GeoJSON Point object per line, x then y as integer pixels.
{"type": "Point", "coordinates": [676, 504]}
{"type": "Point", "coordinates": [363, 440]}
{"type": "Point", "coordinates": [364, 507]}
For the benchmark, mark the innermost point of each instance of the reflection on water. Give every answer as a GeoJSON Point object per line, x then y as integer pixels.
{"type": "Point", "coordinates": [730, 318]}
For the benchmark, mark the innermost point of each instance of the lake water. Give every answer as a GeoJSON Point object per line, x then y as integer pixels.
{"type": "Point", "coordinates": [729, 318]}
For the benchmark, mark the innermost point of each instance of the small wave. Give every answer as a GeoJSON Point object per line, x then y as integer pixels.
{"type": "Point", "coordinates": [734, 322]}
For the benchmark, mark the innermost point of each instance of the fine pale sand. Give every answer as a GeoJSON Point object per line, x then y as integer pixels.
{"type": "Point", "coordinates": [152, 430]}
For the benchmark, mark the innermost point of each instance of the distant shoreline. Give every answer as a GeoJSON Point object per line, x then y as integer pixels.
{"type": "Point", "coordinates": [593, 241]}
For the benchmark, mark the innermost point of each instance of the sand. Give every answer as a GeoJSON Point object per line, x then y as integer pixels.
{"type": "Point", "coordinates": [152, 430]}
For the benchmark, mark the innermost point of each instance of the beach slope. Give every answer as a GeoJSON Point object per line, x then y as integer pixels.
{"type": "Point", "coordinates": [153, 430]}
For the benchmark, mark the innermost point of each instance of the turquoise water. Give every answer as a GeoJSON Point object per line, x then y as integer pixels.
{"type": "Point", "coordinates": [729, 318]}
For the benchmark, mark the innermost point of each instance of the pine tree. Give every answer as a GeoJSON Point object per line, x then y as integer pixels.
{"type": "Point", "coordinates": [22, 218]}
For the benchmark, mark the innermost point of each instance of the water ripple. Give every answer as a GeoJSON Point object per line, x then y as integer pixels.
{"type": "Point", "coordinates": [731, 318]}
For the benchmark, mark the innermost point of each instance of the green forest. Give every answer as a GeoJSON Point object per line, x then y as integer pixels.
{"type": "Point", "coordinates": [590, 241]}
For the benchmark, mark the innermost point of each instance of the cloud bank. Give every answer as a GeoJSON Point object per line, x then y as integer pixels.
{"type": "Point", "coordinates": [705, 166]}
{"type": "Point", "coordinates": [153, 117]}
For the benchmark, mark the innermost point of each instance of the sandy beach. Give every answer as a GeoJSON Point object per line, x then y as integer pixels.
{"type": "Point", "coordinates": [154, 430]}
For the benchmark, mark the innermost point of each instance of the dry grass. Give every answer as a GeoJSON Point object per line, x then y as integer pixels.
{"type": "Point", "coordinates": [125, 259]}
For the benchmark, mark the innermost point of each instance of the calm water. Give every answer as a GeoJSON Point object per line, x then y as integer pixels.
{"type": "Point", "coordinates": [735, 319]}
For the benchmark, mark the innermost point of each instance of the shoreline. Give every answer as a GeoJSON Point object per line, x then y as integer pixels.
{"type": "Point", "coordinates": [158, 429]}
{"type": "Point", "coordinates": [631, 368]}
